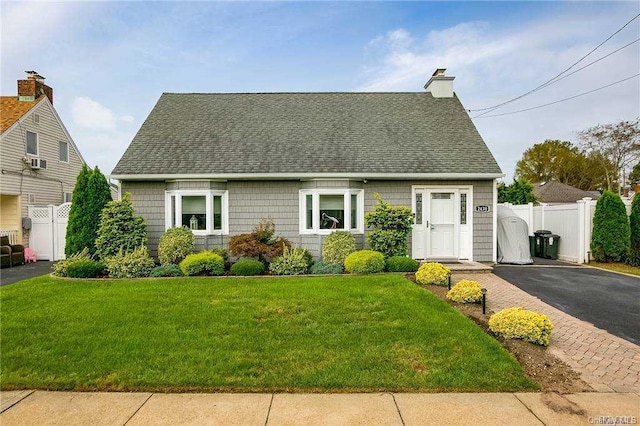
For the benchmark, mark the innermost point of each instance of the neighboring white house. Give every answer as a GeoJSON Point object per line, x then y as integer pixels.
{"type": "Point", "coordinates": [38, 158]}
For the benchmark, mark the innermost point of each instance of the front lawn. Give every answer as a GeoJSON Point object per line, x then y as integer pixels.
{"type": "Point", "coordinates": [617, 267]}
{"type": "Point", "coordinates": [351, 333]}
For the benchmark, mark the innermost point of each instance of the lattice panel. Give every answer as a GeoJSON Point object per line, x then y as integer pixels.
{"type": "Point", "coordinates": [63, 210]}
{"type": "Point", "coordinates": [40, 213]}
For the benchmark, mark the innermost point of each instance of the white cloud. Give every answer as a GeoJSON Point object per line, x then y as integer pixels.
{"type": "Point", "coordinates": [492, 65]}
{"type": "Point", "coordinates": [127, 119]}
{"type": "Point", "coordinates": [92, 115]}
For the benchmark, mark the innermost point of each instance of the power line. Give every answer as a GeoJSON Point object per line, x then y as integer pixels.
{"type": "Point", "coordinates": [560, 100]}
{"type": "Point", "coordinates": [591, 63]}
{"type": "Point", "coordinates": [546, 83]}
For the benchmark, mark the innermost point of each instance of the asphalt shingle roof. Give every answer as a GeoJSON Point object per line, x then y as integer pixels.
{"type": "Point", "coordinates": [557, 192]}
{"type": "Point", "coordinates": [306, 133]}
{"type": "Point", "coordinates": [11, 110]}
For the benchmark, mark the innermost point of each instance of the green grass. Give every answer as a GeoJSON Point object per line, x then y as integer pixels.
{"type": "Point", "coordinates": [617, 267]}
{"type": "Point", "coordinates": [352, 333]}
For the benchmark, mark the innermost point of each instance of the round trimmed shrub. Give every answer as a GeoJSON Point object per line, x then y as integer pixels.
{"type": "Point", "coordinates": [611, 233]}
{"type": "Point", "coordinates": [166, 270]}
{"type": "Point", "coordinates": [465, 291]}
{"type": "Point", "coordinates": [364, 262]}
{"type": "Point", "coordinates": [61, 267]}
{"type": "Point", "coordinates": [221, 252]}
{"type": "Point", "coordinates": [321, 268]}
{"type": "Point", "coordinates": [136, 264]}
{"type": "Point", "coordinates": [433, 273]}
{"type": "Point", "coordinates": [337, 246]}
{"type": "Point", "coordinates": [247, 267]}
{"type": "Point", "coordinates": [85, 268]}
{"type": "Point", "coordinates": [175, 244]}
{"type": "Point", "coordinates": [517, 323]}
{"type": "Point", "coordinates": [203, 263]}
{"type": "Point", "coordinates": [402, 264]}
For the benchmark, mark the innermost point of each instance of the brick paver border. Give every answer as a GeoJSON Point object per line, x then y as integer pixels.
{"type": "Point", "coordinates": [606, 362]}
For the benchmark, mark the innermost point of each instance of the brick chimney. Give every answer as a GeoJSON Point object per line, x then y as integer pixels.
{"type": "Point", "coordinates": [32, 87]}
{"type": "Point", "coordinates": [439, 85]}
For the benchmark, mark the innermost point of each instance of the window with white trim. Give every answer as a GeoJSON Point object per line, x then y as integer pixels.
{"type": "Point", "coordinates": [323, 211]}
{"type": "Point", "coordinates": [204, 212]}
{"type": "Point", "coordinates": [32, 143]}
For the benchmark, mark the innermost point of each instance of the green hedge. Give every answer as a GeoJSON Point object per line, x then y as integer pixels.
{"type": "Point", "coordinates": [364, 262]}
{"type": "Point", "coordinates": [402, 264]}
{"type": "Point", "coordinates": [247, 267]}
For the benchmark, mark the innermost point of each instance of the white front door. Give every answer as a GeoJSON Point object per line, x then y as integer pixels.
{"type": "Point", "coordinates": [441, 232]}
{"type": "Point", "coordinates": [442, 227]}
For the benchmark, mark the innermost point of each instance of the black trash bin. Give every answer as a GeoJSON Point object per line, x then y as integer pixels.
{"type": "Point", "coordinates": [532, 245]}
{"type": "Point", "coordinates": [539, 236]}
{"type": "Point", "coordinates": [551, 246]}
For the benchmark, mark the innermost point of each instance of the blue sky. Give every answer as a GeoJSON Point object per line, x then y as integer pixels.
{"type": "Point", "coordinates": [108, 62]}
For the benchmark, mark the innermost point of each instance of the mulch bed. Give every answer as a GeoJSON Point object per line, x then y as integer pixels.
{"type": "Point", "coordinates": [552, 374]}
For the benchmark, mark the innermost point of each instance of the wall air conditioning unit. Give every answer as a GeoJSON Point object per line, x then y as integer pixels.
{"type": "Point", "coordinates": [37, 164]}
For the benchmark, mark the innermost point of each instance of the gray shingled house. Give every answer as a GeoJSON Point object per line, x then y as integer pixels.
{"type": "Point", "coordinates": [218, 163]}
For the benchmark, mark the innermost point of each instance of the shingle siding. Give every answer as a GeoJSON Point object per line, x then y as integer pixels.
{"type": "Point", "coordinates": [250, 201]}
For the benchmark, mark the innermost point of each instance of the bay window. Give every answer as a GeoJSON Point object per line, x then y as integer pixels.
{"type": "Point", "coordinates": [324, 210]}
{"type": "Point", "coordinates": [204, 212]}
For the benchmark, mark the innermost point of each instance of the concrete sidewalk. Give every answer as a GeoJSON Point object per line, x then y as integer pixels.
{"type": "Point", "coordinates": [100, 408]}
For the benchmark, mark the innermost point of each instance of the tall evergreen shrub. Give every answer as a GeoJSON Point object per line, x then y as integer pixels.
{"type": "Point", "coordinates": [391, 227]}
{"type": "Point", "coordinates": [611, 233]}
{"type": "Point", "coordinates": [78, 237]}
{"type": "Point", "coordinates": [634, 222]}
{"type": "Point", "coordinates": [99, 194]}
{"type": "Point", "coordinates": [120, 228]}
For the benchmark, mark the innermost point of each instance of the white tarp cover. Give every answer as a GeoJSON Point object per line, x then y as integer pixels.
{"type": "Point", "coordinates": [513, 238]}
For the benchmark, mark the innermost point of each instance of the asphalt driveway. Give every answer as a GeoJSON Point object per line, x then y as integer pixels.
{"type": "Point", "coordinates": [608, 300]}
{"type": "Point", "coordinates": [23, 272]}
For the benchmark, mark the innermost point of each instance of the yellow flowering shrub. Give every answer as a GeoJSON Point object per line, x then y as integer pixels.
{"type": "Point", "coordinates": [433, 273]}
{"type": "Point", "coordinates": [518, 323]}
{"type": "Point", "coordinates": [465, 291]}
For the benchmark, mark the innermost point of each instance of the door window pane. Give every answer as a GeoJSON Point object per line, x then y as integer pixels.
{"type": "Point", "coordinates": [309, 211]}
{"type": "Point", "coordinates": [332, 211]}
{"type": "Point", "coordinates": [463, 209]}
{"type": "Point", "coordinates": [354, 211]}
{"type": "Point", "coordinates": [418, 209]}
{"type": "Point", "coordinates": [194, 212]}
{"type": "Point", "coordinates": [32, 143]}
{"type": "Point", "coordinates": [217, 212]}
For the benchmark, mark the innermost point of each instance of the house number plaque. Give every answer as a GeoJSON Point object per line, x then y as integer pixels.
{"type": "Point", "coordinates": [483, 209]}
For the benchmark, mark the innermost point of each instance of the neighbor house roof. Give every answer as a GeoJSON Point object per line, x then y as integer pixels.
{"type": "Point", "coordinates": [306, 133]}
{"type": "Point", "coordinates": [557, 192]}
{"type": "Point", "coordinates": [11, 110]}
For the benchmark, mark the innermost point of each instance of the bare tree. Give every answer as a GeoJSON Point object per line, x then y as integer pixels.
{"type": "Point", "coordinates": [618, 144]}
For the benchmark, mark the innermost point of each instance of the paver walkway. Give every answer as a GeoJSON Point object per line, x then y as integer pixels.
{"type": "Point", "coordinates": [607, 363]}
{"type": "Point", "coordinates": [100, 408]}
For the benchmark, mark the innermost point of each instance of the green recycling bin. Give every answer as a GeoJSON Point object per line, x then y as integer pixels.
{"type": "Point", "coordinates": [551, 246]}
{"type": "Point", "coordinates": [532, 245]}
{"type": "Point", "coordinates": [539, 237]}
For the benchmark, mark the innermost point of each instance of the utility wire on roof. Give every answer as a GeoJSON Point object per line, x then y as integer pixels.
{"type": "Point", "coordinates": [560, 100]}
{"type": "Point", "coordinates": [546, 83]}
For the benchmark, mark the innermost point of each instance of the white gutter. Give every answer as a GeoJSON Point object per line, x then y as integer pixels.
{"type": "Point", "coordinates": [298, 176]}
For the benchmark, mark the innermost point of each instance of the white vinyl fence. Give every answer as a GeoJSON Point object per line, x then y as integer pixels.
{"type": "Point", "coordinates": [48, 230]}
{"type": "Point", "coordinates": [572, 222]}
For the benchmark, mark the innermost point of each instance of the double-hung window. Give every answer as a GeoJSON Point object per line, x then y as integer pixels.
{"type": "Point", "coordinates": [323, 211]}
{"type": "Point", "coordinates": [204, 212]}
{"type": "Point", "coordinates": [32, 143]}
